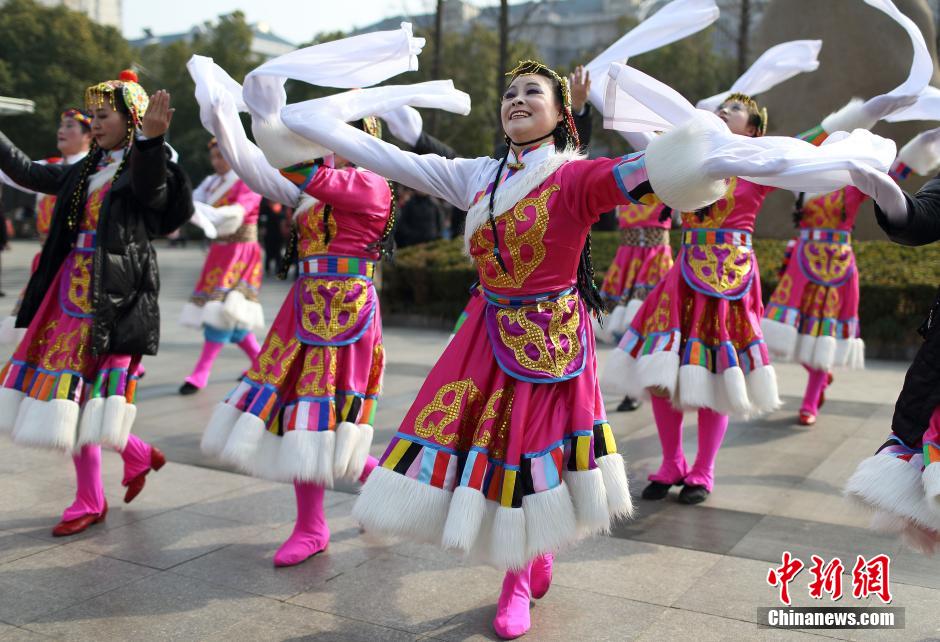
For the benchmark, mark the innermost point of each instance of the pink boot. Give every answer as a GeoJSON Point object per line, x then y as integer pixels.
{"type": "Point", "coordinates": [815, 387]}
{"type": "Point", "coordinates": [200, 375]}
{"type": "Point", "coordinates": [711, 431]}
{"type": "Point", "coordinates": [541, 577]}
{"type": "Point", "coordinates": [89, 506]}
{"type": "Point", "coordinates": [673, 468]}
{"type": "Point", "coordinates": [371, 463]}
{"type": "Point", "coordinates": [512, 611]}
{"type": "Point", "coordinates": [311, 533]}
{"type": "Point", "coordinates": [139, 459]}
{"type": "Point", "coordinates": [250, 346]}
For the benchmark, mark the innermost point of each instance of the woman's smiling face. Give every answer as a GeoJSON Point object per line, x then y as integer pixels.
{"type": "Point", "coordinates": [529, 109]}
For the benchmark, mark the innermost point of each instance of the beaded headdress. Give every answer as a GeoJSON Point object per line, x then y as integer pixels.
{"type": "Point", "coordinates": [77, 115]}
{"type": "Point", "coordinates": [134, 96]}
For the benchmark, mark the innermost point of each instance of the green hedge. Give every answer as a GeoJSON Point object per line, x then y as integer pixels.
{"type": "Point", "coordinates": [897, 284]}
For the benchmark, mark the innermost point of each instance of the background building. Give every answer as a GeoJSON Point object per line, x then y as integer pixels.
{"type": "Point", "coordinates": [104, 12]}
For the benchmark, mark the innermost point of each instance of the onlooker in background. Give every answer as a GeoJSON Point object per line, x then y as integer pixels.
{"type": "Point", "coordinates": [420, 218]}
{"type": "Point", "coordinates": [272, 222]}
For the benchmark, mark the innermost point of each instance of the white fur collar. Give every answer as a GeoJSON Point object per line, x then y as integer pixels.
{"type": "Point", "coordinates": [98, 180]}
{"type": "Point", "coordinates": [225, 184]}
{"type": "Point", "coordinates": [514, 190]}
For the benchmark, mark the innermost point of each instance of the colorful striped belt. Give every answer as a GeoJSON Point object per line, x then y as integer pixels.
{"type": "Point", "coordinates": [716, 237]}
{"type": "Point", "coordinates": [527, 299]}
{"type": "Point", "coordinates": [644, 236]}
{"type": "Point", "coordinates": [85, 241]}
{"type": "Point", "coordinates": [336, 266]}
{"type": "Point", "coordinates": [825, 235]}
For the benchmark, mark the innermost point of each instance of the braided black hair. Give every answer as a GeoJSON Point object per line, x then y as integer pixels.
{"type": "Point", "coordinates": [80, 194]}
{"type": "Point", "coordinates": [385, 245]}
{"type": "Point", "coordinates": [291, 255]}
{"type": "Point", "coordinates": [798, 209]}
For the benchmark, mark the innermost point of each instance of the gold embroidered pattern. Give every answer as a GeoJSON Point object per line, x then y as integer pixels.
{"type": "Point", "coordinates": [68, 351]}
{"type": "Point", "coordinates": [716, 214]}
{"type": "Point", "coordinates": [825, 210]}
{"type": "Point", "coordinates": [346, 298]}
{"type": "Point", "coordinates": [374, 386]}
{"type": "Point", "coordinates": [312, 237]}
{"type": "Point", "coordinates": [828, 262]}
{"type": "Point", "coordinates": [722, 267]}
{"type": "Point", "coordinates": [458, 401]}
{"type": "Point", "coordinates": [275, 360]}
{"type": "Point", "coordinates": [659, 320]}
{"type": "Point", "coordinates": [493, 427]}
{"type": "Point", "coordinates": [318, 376]}
{"type": "Point", "coordinates": [80, 282]}
{"type": "Point", "coordinates": [526, 249]}
{"type": "Point", "coordinates": [563, 323]}
{"type": "Point", "coordinates": [782, 294]}
{"type": "Point", "coordinates": [635, 213]}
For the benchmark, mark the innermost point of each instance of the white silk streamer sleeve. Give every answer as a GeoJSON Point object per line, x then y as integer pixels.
{"type": "Point", "coordinates": [323, 121]}
{"type": "Point", "coordinates": [927, 107]}
{"type": "Point", "coordinates": [675, 21]}
{"type": "Point", "coordinates": [777, 64]}
{"type": "Point", "coordinates": [637, 102]}
{"type": "Point", "coordinates": [219, 96]}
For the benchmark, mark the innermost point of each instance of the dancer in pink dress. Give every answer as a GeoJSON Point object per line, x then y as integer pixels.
{"type": "Point", "coordinates": [643, 258]}
{"type": "Point", "coordinates": [304, 412]}
{"type": "Point", "coordinates": [91, 305]}
{"type": "Point", "coordinates": [696, 343]}
{"type": "Point", "coordinates": [224, 304]}
{"type": "Point", "coordinates": [73, 139]}
{"type": "Point", "coordinates": [812, 315]}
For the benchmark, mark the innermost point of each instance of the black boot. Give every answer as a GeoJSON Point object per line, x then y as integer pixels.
{"type": "Point", "coordinates": [628, 404]}
{"type": "Point", "coordinates": [188, 389]}
{"type": "Point", "coordinates": [693, 495]}
{"type": "Point", "coordinates": [656, 491]}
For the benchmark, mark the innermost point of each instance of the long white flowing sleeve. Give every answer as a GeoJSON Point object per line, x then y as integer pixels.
{"type": "Point", "coordinates": [704, 148]}
{"type": "Point", "coordinates": [218, 96]}
{"type": "Point", "coordinates": [324, 122]}
{"type": "Point", "coordinates": [777, 64]}
{"type": "Point", "coordinates": [675, 21]}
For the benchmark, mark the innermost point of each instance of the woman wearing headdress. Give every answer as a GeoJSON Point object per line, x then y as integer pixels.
{"type": "Point", "coordinates": [224, 304]}
{"type": "Point", "coordinates": [91, 305]}
{"type": "Point", "coordinates": [73, 140]}
{"type": "Point", "coordinates": [813, 313]}
{"type": "Point", "coordinates": [303, 413]}
{"type": "Point", "coordinates": [507, 452]}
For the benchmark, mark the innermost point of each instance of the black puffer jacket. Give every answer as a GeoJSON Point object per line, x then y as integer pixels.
{"type": "Point", "coordinates": [921, 392]}
{"type": "Point", "coordinates": [152, 196]}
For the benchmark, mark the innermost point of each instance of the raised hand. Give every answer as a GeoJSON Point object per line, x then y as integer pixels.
{"type": "Point", "coordinates": [580, 83]}
{"type": "Point", "coordinates": [158, 115]}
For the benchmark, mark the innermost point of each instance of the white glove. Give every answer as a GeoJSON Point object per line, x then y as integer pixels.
{"type": "Point", "coordinates": [282, 147]}
{"type": "Point", "coordinates": [405, 124]}
{"type": "Point", "coordinates": [884, 191]}
{"type": "Point", "coordinates": [922, 153]}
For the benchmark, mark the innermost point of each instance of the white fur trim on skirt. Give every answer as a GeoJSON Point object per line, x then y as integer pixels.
{"type": "Point", "coordinates": [886, 483]}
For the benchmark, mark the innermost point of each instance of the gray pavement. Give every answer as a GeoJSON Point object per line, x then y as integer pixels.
{"type": "Point", "coordinates": [191, 557]}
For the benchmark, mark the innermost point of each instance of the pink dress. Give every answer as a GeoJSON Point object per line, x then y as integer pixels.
{"type": "Point", "coordinates": [304, 411]}
{"type": "Point", "coordinates": [698, 333]}
{"type": "Point", "coordinates": [226, 295]}
{"type": "Point", "coordinates": [53, 369]}
{"type": "Point", "coordinates": [643, 258]}
{"type": "Point", "coordinates": [507, 453]}
{"type": "Point", "coordinates": [813, 313]}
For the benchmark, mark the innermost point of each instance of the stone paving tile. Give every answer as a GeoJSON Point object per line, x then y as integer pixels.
{"type": "Point", "coordinates": [629, 569]}
{"type": "Point", "coordinates": [164, 606]}
{"type": "Point", "coordinates": [408, 593]}
{"type": "Point", "coordinates": [262, 503]}
{"type": "Point", "coordinates": [167, 540]}
{"type": "Point", "coordinates": [58, 578]}
{"type": "Point", "coordinates": [563, 614]}
{"type": "Point", "coordinates": [16, 634]}
{"type": "Point", "coordinates": [13, 546]}
{"type": "Point", "coordinates": [247, 564]}
{"type": "Point", "coordinates": [675, 624]}
{"type": "Point", "coordinates": [701, 528]}
{"type": "Point", "coordinates": [278, 621]}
